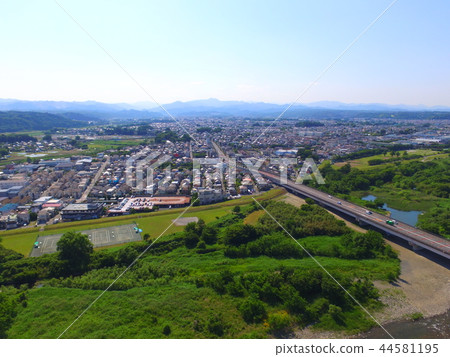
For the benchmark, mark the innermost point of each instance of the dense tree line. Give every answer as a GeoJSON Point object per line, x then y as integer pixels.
{"type": "Point", "coordinates": [16, 138]}
{"type": "Point", "coordinates": [170, 135]}
{"type": "Point", "coordinates": [308, 124]}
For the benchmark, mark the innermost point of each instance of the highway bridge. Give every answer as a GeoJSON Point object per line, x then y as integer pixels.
{"type": "Point", "coordinates": [417, 238]}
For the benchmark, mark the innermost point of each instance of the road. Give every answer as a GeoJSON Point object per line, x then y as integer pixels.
{"type": "Point", "coordinates": [86, 192]}
{"type": "Point", "coordinates": [417, 238]}
{"type": "Point", "coordinates": [223, 157]}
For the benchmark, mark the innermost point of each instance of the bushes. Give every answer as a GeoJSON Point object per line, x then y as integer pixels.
{"type": "Point", "coordinates": [196, 233]}
{"type": "Point", "coordinates": [216, 325]}
{"type": "Point", "coordinates": [209, 235]}
{"type": "Point", "coordinates": [309, 220]}
{"type": "Point", "coordinates": [238, 234]}
{"type": "Point", "coordinates": [280, 323]}
{"type": "Point", "coordinates": [276, 245]}
{"type": "Point", "coordinates": [127, 255]}
{"type": "Point", "coordinates": [191, 239]}
{"type": "Point", "coordinates": [365, 246]}
{"type": "Point", "coordinates": [7, 313]}
{"type": "Point", "coordinates": [166, 330]}
{"type": "Point", "coordinates": [253, 310]}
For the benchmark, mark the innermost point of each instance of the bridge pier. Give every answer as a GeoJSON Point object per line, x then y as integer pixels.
{"type": "Point", "coordinates": [361, 222]}
{"type": "Point", "coordinates": [415, 247]}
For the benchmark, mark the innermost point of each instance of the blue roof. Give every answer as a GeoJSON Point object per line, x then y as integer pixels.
{"type": "Point", "coordinates": [9, 207]}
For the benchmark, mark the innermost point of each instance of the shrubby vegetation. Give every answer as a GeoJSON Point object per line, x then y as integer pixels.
{"type": "Point", "coordinates": [436, 220]}
{"type": "Point", "coordinates": [429, 178]}
{"type": "Point", "coordinates": [221, 279]}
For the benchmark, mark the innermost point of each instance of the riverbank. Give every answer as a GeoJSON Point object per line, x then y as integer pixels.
{"type": "Point", "coordinates": [422, 288]}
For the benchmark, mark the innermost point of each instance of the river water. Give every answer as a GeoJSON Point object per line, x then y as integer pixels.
{"type": "Point", "coordinates": [409, 217]}
{"type": "Point", "coordinates": [432, 327]}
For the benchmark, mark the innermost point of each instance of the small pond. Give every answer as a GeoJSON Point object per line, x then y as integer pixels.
{"type": "Point", "coordinates": [409, 217]}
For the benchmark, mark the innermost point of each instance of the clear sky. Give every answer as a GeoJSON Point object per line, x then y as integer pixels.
{"type": "Point", "coordinates": [231, 50]}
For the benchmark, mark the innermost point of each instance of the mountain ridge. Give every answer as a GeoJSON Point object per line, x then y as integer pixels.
{"type": "Point", "coordinates": [200, 106]}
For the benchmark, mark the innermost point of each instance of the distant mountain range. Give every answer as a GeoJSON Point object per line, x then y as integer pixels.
{"type": "Point", "coordinates": [21, 115]}
{"type": "Point", "coordinates": [98, 110]}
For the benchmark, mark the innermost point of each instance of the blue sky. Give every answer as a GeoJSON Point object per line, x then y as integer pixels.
{"type": "Point", "coordinates": [231, 50]}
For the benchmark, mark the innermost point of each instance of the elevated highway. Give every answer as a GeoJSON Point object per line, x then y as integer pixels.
{"type": "Point", "coordinates": [417, 238]}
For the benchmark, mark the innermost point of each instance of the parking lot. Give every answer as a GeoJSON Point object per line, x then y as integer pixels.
{"type": "Point", "coordinates": [99, 237]}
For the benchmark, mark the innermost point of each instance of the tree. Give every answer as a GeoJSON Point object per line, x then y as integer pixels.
{"type": "Point", "coordinates": [191, 239]}
{"type": "Point", "coordinates": [146, 236]}
{"type": "Point", "coordinates": [76, 249]}
{"type": "Point", "coordinates": [47, 137]}
{"type": "Point", "coordinates": [237, 209]}
{"type": "Point", "coordinates": [209, 235]}
{"type": "Point", "coordinates": [239, 233]}
{"type": "Point", "coordinates": [346, 168]}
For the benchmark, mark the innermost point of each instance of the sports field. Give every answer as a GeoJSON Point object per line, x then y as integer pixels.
{"type": "Point", "coordinates": [99, 237]}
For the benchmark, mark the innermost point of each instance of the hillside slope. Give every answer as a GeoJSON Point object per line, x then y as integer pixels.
{"type": "Point", "coordinates": [23, 121]}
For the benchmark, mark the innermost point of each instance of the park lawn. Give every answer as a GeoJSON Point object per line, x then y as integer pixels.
{"type": "Point", "coordinates": [153, 223]}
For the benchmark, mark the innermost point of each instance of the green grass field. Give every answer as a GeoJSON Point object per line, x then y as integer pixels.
{"type": "Point", "coordinates": [363, 163]}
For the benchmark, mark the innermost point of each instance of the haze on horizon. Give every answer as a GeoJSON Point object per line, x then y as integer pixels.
{"type": "Point", "coordinates": [184, 51]}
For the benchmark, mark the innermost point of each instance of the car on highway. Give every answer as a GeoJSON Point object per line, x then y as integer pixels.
{"type": "Point", "coordinates": [339, 203]}
{"type": "Point", "coordinates": [368, 212]}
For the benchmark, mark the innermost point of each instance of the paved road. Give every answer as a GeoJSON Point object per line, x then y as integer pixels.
{"type": "Point", "coordinates": [416, 237]}
{"type": "Point", "coordinates": [86, 192]}
{"type": "Point", "coordinates": [222, 156]}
